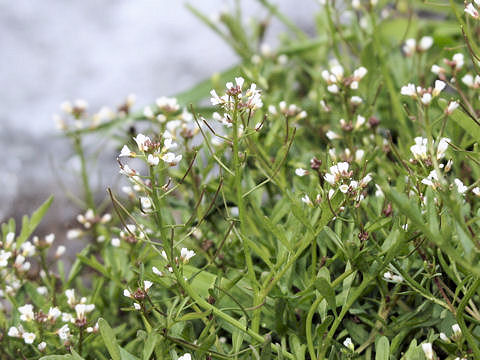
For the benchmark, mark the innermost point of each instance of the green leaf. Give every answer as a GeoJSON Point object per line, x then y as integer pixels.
{"type": "Point", "coordinates": [382, 349]}
{"type": "Point", "coordinates": [109, 339]}
{"type": "Point", "coordinates": [29, 225]}
{"type": "Point", "coordinates": [57, 357]}
{"type": "Point", "coordinates": [150, 343]}
{"type": "Point", "coordinates": [326, 290]}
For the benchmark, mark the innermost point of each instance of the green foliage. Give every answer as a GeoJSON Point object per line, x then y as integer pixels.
{"type": "Point", "coordinates": [342, 227]}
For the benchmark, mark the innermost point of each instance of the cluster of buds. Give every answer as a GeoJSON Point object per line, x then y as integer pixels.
{"type": "Point", "coordinates": [472, 10]}
{"type": "Point", "coordinates": [131, 234]}
{"type": "Point", "coordinates": [250, 100]}
{"type": "Point", "coordinates": [152, 151]}
{"type": "Point", "coordinates": [165, 106]}
{"type": "Point", "coordinates": [411, 47]}
{"type": "Point", "coordinates": [341, 176]}
{"type": "Point", "coordinates": [88, 220]}
{"type": "Point", "coordinates": [347, 155]}
{"type": "Point", "coordinates": [424, 95]}
{"type": "Point", "coordinates": [77, 111]}
{"type": "Point", "coordinates": [288, 110]}
{"type": "Point", "coordinates": [139, 295]}
{"type": "Point", "coordinates": [335, 78]}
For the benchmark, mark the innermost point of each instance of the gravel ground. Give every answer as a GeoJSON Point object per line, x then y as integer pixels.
{"type": "Point", "coordinates": [53, 50]}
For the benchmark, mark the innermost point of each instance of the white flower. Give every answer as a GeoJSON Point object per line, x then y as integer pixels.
{"type": "Point", "coordinates": [301, 172]}
{"type": "Point", "coordinates": [147, 285]}
{"type": "Point", "coordinates": [171, 159]}
{"type": "Point", "coordinates": [419, 150]}
{"type": "Point", "coordinates": [186, 254]}
{"type": "Point", "coordinates": [50, 238]}
{"type": "Point", "coordinates": [332, 88]}
{"type": "Point", "coordinates": [444, 337]}
{"type": "Point", "coordinates": [458, 59]}
{"type": "Point", "coordinates": [359, 154]}
{"type": "Point", "coordinates": [472, 11]}
{"type": "Point", "coordinates": [186, 356]}
{"type": "Point", "coordinates": [127, 293]}
{"type": "Point", "coordinates": [409, 47]}
{"type": "Point", "coordinates": [426, 99]}
{"type": "Point", "coordinates": [67, 317]}
{"type": "Point", "coordinates": [461, 188]}
{"type": "Point", "coordinates": [42, 290]}
{"type": "Point", "coordinates": [356, 100]}
{"type": "Point", "coordinates": [70, 294]}
{"type": "Point", "coordinates": [437, 69]}
{"type": "Point", "coordinates": [476, 190]}
{"type": "Point", "coordinates": [152, 160]}
{"type": "Point", "coordinates": [143, 142]}
{"type": "Point", "coordinates": [136, 306]}
{"type": "Point", "coordinates": [344, 188]}
{"type": "Point", "coordinates": [456, 330]}
{"type": "Point", "coordinates": [115, 242]}
{"type": "Point", "coordinates": [452, 106]}
{"type": "Point", "coordinates": [28, 337]}
{"type": "Point", "coordinates": [359, 73]}
{"type": "Point", "coordinates": [439, 86]}
{"type": "Point", "coordinates": [348, 343]}
{"type": "Point", "coordinates": [28, 249]}
{"type": "Point", "coordinates": [53, 313]}
{"type": "Point", "coordinates": [42, 346]}
{"type": "Point", "coordinates": [393, 277]}
{"type": "Point", "coordinates": [146, 203]}
{"type": "Point", "coordinates": [9, 239]}
{"type": "Point", "coordinates": [442, 147]}
{"type": "Point", "coordinates": [4, 256]}
{"type": "Point", "coordinates": [126, 152]}
{"type": "Point", "coordinates": [408, 90]}
{"type": "Point", "coordinates": [306, 200]}
{"type": "Point", "coordinates": [74, 234]}
{"type": "Point", "coordinates": [332, 135]}
{"type": "Point", "coordinates": [427, 350]}
{"type": "Point", "coordinates": [425, 43]}
{"type": "Point", "coordinates": [167, 104]}
{"type": "Point", "coordinates": [26, 312]}
{"type": "Point", "coordinates": [13, 332]}
{"type": "Point", "coordinates": [337, 71]}
{"type": "Point", "coordinates": [60, 251]}
{"type": "Point", "coordinates": [467, 79]}
{"type": "Point", "coordinates": [156, 271]}
{"type": "Point", "coordinates": [148, 112]}
{"type": "Point", "coordinates": [64, 332]}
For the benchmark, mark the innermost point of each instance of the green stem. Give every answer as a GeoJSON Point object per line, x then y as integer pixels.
{"type": "Point", "coordinates": [241, 214]}
{"type": "Point", "coordinates": [461, 321]}
{"type": "Point", "coordinates": [77, 143]}
{"type": "Point", "coordinates": [313, 309]}
{"type": "Point", "coordinates": [351, 300]}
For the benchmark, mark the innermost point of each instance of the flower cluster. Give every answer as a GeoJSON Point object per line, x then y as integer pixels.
{"type": "Point", "coordinates": [250, 100]}
{"type": "Point", "coordinates": [411, 47]}
{"type": "Point", "coordinates": [424, 95]}
{"type": "Point", "coordinates": [336, 79]}
{"type": "Point", "coordinates": [37, 321]}
{"type": "Point", "coordinates": [152, 152]}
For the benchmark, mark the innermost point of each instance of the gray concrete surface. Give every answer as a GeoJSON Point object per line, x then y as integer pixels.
{"type": "Point", "coordinates": [53, 50]}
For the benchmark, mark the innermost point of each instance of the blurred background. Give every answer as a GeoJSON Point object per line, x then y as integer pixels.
{"type": "Point", "coordinates": [100, 51]}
